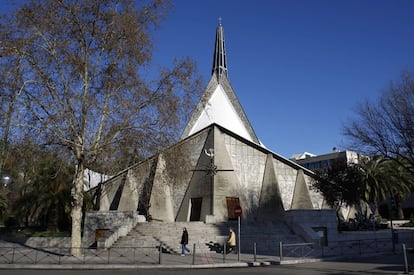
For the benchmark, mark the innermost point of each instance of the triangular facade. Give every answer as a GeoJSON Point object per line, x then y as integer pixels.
{"type": "Point", "coordinates": [219, 104]}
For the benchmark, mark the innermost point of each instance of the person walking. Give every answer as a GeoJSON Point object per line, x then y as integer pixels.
{"type": "Point", "coordinates": [184, 242]}
{"type": "Point", "coordinates": [231, 241]}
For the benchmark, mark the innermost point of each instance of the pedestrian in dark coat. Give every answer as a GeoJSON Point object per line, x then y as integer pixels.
{"type": "Point", "coordinates": [184, 242]}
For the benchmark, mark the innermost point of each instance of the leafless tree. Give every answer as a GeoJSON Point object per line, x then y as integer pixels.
{"type": "Point", "coordinates": [386, 127]}
{"type": "Point", "coordinates": [79, 84]}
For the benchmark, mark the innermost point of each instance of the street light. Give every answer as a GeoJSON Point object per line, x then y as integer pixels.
{"type": "Point", "coordinates": [6, 180]}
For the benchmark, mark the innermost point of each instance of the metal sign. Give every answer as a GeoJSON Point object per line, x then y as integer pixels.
{"type": "Point", "coordinates": [238, 211]}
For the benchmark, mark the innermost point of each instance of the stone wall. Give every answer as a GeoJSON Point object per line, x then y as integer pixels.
{"type": "Point", "coordinates": [314, 225]}
{"type": "Point", "coordinates": [113, 221]}
{"type": "Point", "coordinates": [320, 226]}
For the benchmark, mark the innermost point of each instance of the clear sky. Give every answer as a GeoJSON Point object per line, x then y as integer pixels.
{"type": "Point", "coordinates": [298, 67]}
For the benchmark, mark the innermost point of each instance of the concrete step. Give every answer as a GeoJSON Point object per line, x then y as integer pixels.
{"type": "Point", "coordinates": [207, 237]}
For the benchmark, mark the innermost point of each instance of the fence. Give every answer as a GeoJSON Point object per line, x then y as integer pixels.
{"type": "Point", "coordinates": [22, 254]}
{"type": "Point", "coordinates": [51, 255]}
{"type": "Point", "coordinates": [298, 250]}
{"type": "Point", "coordinates": [341, 248]}
{"type": "Point", "coordinates": [357, 247]}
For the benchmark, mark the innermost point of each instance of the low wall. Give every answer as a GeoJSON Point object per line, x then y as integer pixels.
{"type": "Point", "coordinates": [400, 235]}
{"type": "Point", "coordinates": [304, 222]}
{"type": "Point", "coordinates": [39, 242]}
{"type": "Point", "coordinates": [63, 242]}
{"type": "Point", "coordinates": [115, 223]}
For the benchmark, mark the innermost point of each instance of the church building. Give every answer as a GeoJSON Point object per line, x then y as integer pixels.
{"type": "Point", "coordinates": [217, 168]}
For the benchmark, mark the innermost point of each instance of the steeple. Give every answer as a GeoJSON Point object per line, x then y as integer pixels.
{"type": "Point", "coordinates": [219, 58]}
{"type": "Point", "coordinates": [219, 103]}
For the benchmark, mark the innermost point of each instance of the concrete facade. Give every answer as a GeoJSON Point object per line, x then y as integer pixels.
{"type": "Point", "coordinates": [176, 184]}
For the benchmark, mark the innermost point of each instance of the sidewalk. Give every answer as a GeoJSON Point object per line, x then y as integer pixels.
{"type": "Point", "coordinates": [32, 258]}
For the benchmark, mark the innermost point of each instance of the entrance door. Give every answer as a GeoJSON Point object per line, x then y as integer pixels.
{"type": "Point", "coordinates": [232, 202]}
{"type": "Point", "coordinates": [195, 214]}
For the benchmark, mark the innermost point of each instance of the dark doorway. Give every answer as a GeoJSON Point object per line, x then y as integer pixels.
{"type": "Point", "coordinates": [99, 233]}
{"type": "Point", "coordinates": [232, 203]}
{"type": "Point", "coordinates": [195, 213]}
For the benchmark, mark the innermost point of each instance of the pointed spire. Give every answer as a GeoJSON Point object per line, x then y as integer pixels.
{"type": "Point", "coordinates": [219, 58]}
{"type": "Point", "coordinates": [219, 103]}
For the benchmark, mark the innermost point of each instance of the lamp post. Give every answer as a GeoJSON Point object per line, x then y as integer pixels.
{"type": "Point", "coordinates": [391, 210]}
{"type": "Point", "coordinates": [6, 180]}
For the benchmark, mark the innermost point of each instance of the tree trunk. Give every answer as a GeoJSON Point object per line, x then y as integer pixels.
{"type": "Point", "coordinates": [398, 205]}
{"type": "Point", "coordinates": [76, 241]}
{"type": "Point", "coordinates": [376, 212]}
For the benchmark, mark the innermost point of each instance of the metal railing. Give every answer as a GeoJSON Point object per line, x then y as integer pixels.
{"type": "Point", "coordinates": [341, 248]}
{"type": "Point", "coordinates": [298, 250]}
{"type": "Point", "coordinates": [49, 255]}
{"type": "Point", "coordinates": [357, 247]}
{"type": "Point", "coordinates": [22, 254]}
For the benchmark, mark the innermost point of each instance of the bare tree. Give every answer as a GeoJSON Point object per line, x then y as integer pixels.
{"type": "Point", "coordinates": [78, 65]}
{"type": "Point", "coordinates": [386, 127]}
{"type": "Point", "coordinates": [8, 94]}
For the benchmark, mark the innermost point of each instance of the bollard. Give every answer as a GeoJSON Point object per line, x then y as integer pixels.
{"type": "Point", "coordinates": [224, 252]}
{"type": "Point", "coordinates": [281, 251]}
{"type": "Point", "coordinates": [406, 268]}
{"type": "Point", "coordinates": [254, 252]}
{"type": "Point", "coordinates": [12, 259]}
{"type": "Point", "coordinates": [301, 251]}
{"type": "Point", "coordinates": [194, 252]}
{"type": "Point", "coordinates": [135, 250]}
{"type": "Point", "coordinates": [160, 254]}
{"type": "Point", "coordinates": [60, 255]}
{"type": "Point", "coordinates": [239, 245]}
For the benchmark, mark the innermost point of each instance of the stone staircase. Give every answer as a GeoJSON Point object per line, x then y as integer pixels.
{"type": "Point", "coordinates": [209, 237]}
{"type": "Point", "coordinates": [151, 234]}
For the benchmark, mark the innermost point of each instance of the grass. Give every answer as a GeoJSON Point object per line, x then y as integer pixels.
{"type": "Point", "coordinates": [30, 232]}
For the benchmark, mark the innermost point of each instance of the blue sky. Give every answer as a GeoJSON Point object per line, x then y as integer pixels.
{"type": "Point", "coordinates": [298, 67]}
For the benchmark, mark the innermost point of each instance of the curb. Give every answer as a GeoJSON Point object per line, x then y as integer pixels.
{"type": "Point", "coordinates": [120, 266]}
